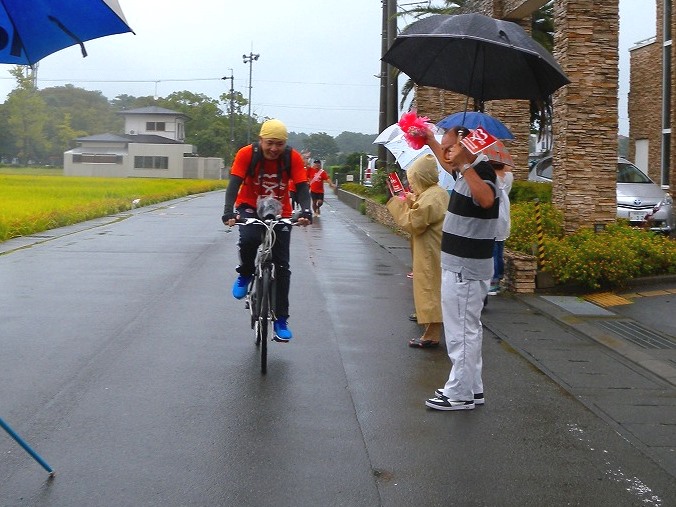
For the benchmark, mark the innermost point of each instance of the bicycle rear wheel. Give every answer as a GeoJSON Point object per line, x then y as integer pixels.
{"type": "Point", "coordinates": [264, 321]}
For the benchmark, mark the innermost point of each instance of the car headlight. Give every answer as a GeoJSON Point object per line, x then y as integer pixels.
{"type": "Point", "coordinates": [667, 201]}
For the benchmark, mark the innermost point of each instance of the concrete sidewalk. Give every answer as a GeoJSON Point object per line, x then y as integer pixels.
{"type": "Point", "coordinates": [622, 369]}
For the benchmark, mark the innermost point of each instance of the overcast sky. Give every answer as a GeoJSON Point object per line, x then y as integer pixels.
{"type": "Point", "coordinates": [316, 66]}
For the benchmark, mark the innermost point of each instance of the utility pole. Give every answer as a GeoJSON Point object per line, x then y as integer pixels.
{"type": "Point", "coordinates": [392, 73]}
{"type": "Point", "coordinates": [250, 58]}
{"type": "Point", "coordinates": [232, 111]}
{"type": "Point", "coordinates": [382, 117]}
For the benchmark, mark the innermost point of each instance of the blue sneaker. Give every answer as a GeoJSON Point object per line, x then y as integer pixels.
{"type": "Point", "coordinates": [282, 331]}
{"type": "Point", "coordinates": [241, 286]}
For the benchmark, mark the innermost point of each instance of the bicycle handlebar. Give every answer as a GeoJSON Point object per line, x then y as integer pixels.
{"type": "Point", "coordinates": [266, 222]}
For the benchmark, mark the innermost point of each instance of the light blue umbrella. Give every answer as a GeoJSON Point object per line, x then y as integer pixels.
{"type": "Point", "coordinates": [33, 29]}
{"type": "Point", "coordinates": [474, 119]}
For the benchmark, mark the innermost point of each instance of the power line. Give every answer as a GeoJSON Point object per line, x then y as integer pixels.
{"type": "Point", "coordinates": [290, 106]}
{"type": "Point", "coordinates": [191, 80]}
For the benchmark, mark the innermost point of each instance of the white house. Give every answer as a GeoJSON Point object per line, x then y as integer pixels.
{"type": "Point", "coordinates": [152, 147]}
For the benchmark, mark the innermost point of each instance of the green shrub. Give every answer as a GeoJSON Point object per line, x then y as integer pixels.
{"type": "Point", "coordinates": [527, 191]}
{"type": "Point", "coordinates": [524, 232]}
{"type": "Point", "coordinates": [609, 259]}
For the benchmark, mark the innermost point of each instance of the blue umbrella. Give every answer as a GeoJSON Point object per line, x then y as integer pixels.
{"type": "Point", "coordinates": [33, 29]}
{"type": "Point", "coordinates": [474, 119]}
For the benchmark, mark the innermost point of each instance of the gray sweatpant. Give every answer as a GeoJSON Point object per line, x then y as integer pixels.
{"type": "Point", "coordinates": [461, 303]}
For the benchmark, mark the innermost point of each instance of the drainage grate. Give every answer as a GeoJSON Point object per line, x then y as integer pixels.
{"type": "Point", "coordinates": [637, 334]}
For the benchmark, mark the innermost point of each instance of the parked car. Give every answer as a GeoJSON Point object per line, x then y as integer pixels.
{"type": "Point", "coordinates": [638, 197]}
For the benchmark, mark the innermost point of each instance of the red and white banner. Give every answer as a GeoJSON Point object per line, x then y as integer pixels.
{"type": "Point", "coordinates": [477, 140]}
{"type": "Point", "coordinates": [395, 183]}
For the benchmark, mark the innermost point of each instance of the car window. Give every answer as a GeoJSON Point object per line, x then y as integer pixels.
{"type": "Point", "coordinates": [546, 171]}
{"type": "Point", "coordinates": [629, 173]}
{"type": "Point", "coordinates": [544, 168]}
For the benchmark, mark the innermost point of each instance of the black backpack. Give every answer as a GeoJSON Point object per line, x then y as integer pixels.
{"type": "Point", "coordinates": [283, 162]}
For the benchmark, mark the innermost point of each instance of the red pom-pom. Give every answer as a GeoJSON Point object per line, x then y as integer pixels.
{"type": "Point", "coordinates": [415, 129]}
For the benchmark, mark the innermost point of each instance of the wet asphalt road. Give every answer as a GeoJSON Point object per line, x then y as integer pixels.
{"type": "Point", "coordinates": [129, 367]}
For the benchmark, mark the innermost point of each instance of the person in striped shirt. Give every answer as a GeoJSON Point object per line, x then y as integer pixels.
{"type": "Point", "coordinates": [468, 237]}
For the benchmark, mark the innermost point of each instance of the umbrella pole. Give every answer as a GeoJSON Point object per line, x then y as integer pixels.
{"type": "Point", "coordinates": [27, 447]}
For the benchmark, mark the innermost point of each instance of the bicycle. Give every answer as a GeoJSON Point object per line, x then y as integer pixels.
{"type": "Point", "coordinates": [261, 293]}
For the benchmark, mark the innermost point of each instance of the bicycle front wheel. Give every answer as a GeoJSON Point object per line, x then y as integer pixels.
{"type": "Point", "coordinates": [264, 321]}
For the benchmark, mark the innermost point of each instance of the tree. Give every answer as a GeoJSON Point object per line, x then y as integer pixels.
{"type": "Point", "coordinates": [297, 140]}
{"type": "Point", "coordinates": [238, 123]}
{"type": "Point", "coordinates": [91, 112]}
{"type": "Point", "coordinates": [321, 145]}
{"type": "Point", "coordinates": [75, 112]}
{"type": "Point", "coordinates": [351, 142]}
{"type": "Point", "coordinates": [205, 126]}
{"type": "Point", "coordinates": [26, 118]}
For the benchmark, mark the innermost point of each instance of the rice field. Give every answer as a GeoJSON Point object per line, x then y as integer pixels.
{"type": "Point", "coordinates": [35, 200]}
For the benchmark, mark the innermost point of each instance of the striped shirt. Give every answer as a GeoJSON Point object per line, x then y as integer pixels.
{"type": "Point", "coordinates": [469, 230]}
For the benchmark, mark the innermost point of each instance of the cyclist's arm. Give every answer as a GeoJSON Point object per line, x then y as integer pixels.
{"type": "Point", "coordinates": [303, 196]}
{"type": "Point", "coordinates": [230, 198]}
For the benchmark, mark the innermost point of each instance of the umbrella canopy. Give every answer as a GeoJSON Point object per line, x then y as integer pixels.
{"type": "Point", "coordinates": [388, 134]}
{"type": "Point", "coordinates": [497, 152]}
{"type": "Point", "coordinates": [478, 56]}
{"type": "Point", "coordinates": [474, 119]}
{"type": "Point", "coordinates": [33, 29]}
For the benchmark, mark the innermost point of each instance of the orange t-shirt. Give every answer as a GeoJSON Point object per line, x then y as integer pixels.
{"type": "Point", "coordinates": [253, 186]}
{"type": "Point", "coordinates": [317, 177]}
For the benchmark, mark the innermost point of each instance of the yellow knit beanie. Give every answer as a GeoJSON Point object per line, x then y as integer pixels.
{"type": "Point", "coordinates": [274, 129]}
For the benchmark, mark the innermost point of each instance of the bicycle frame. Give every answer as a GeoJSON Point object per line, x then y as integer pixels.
{"type": "Point", "coordinates": [261, 296]}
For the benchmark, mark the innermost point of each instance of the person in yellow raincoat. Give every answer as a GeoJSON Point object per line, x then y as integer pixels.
{"type": "Point", "coordinates": [421, 214]}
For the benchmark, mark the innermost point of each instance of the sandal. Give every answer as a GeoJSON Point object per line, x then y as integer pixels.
{"type": "Point", "coordinates": [423, 344]}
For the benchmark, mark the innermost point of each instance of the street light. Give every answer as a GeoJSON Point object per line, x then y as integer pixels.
{"type": "Point", "coordinates": [250, 58]}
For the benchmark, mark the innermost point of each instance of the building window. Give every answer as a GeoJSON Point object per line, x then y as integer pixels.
{"type": "Point", "coordinates": [96, 158]}
{"type": "Point", "coordinates": [151, 162]}
{"type": "Point", "coordinates": [155, 126]}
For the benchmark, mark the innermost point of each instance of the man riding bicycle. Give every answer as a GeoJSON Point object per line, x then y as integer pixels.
{"type": "Point", "coordinates": [259, 170]}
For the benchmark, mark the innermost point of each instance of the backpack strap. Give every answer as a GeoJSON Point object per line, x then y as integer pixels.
{"type": "Point", "coordinates": [256, 158]}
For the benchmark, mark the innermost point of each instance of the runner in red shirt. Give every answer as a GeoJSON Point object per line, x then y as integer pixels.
{"type": "Point", "coordinates": [267, 177]}
{"type": "Point", "coordinates": [317, 176]}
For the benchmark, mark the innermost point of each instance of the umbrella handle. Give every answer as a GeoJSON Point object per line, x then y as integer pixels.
{"type": "Point", "coordinates": [26, 447]}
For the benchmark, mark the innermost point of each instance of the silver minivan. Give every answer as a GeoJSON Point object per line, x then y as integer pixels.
{"type": "Point", "coordinates": [638, 197]}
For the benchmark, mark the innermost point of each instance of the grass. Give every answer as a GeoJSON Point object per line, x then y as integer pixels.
{"type": "Point", "coordinates": [35, 200]}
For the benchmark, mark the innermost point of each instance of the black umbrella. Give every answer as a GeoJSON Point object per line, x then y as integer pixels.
{"type": "Point", "coordinates": [478, 56]}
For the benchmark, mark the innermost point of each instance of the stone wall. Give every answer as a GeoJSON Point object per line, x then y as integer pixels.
{"type": "Point", "coordinates": [585, 112]}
